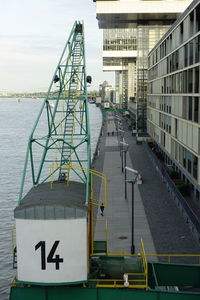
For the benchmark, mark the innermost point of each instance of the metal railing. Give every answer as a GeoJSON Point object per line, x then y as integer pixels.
{"type": "Point", "coordinates": [175, 258]}
{"type": "Point", "coordinates": [137, 280]}
{"type": "Point", "coordinates": [93, 201]}
{"type": "Point", "coordinates": [119, 283]}
{"type": "Point", "coordinates": [188, 210]}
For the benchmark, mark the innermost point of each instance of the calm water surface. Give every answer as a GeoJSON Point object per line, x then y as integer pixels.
{"type": "Point", "coordinates": [16, 122]}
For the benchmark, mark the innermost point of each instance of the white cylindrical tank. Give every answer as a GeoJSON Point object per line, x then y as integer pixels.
{"type": "Point", "coordinates": [51, 235]}
{"type": "Point", "coordinates": [51, 251]}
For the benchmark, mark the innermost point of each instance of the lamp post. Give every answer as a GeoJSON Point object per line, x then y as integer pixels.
{"type": "Point", "coordinates": [117, 122]}
{"type": "Point", "coordinates": [133, 181]}
{"type": "Point", "coordinates": [125, 170]}
{"type": "Point", "coordinates": [118, 118]}
{"type": "Point", "coordinates": [132, 217]}
{"type": "Point", "coordinates": [123, 150]}
{"type": "Point", "coordinates": [122, 132]}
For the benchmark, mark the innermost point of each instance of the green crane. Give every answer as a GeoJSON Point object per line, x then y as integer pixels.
{"type": "Point", "coordinates": [59, 144]}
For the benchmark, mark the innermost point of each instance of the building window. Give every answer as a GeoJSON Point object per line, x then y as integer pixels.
{"type": "Point", "coordinates": [186, 55]}
{"type": "Point", "coordinates": [180, 82]}
{"type": "Point", "coordinates": [184, 157]}
{"type": "Point", "coordinates": [190, 81]}
{"type": "Point", "coordinates": [197, 194]}
{"type": "Point", "coordinates": [196, 109]}
{"type": "Point", "coordinates": [189, 162]}
{"type": "Point", "coordinates": [181, 32]}
{"type": "Point", "coordinates": [191, 52]}
{"type": "Point", "coordinates": [163, 138]}
{"type": "Point", "coordinates": [119, 39]}
{"type": "Point", "coordinates": [180, 154]}
{"type": "Point", "coordinates": [197, 18]}
{"type": "Point", "coordinates": [197, 48]}
{"type": "Point", "coordinates": [196, 80]}
{"type": "Point", "coordinates": [181, 57]}
{"type": "Point", "coordinates": [185, 109]}
{"type": "Point", "coordinates": [191, 23]}
{"type": "Point", "coordinates": [185, 82]}
{"type": "Point", "coordinates": [190, 108]}
{"type": "Point", "coordinates": [176, 128]}
{"type": "Point", "coordinates": [195, 167]}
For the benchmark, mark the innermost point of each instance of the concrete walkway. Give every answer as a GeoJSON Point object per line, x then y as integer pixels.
{"type": "Point", "coordinates": [157, 219]}
{"type": "Point", "coordinates": [118, 211]}
{"type": "Point", "coordinates": [169, 230]}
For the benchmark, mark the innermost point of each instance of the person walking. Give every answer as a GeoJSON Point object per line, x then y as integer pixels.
{"type": "Point", "coordinates": [102, 209]}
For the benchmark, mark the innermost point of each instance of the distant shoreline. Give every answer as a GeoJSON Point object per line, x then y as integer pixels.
{"type": "Point", "coordinates": [32, 97]}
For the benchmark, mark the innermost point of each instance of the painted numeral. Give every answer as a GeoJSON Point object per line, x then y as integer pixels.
{"type": "Point", "coordinates": [50, 258]}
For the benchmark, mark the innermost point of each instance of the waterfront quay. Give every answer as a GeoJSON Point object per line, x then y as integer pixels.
{"type": "Point", "coordinates": [156, 218]}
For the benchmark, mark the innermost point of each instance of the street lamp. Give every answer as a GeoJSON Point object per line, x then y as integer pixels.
{"type": "Point", "coordinates": [124, 149]}
{"type": "Point", "coordinates": [122, 132]}
{"type": "Point", "coordinates": [133, 181]}
{"type": "Point", "coordinates": [132, 215]}
{"type": "Point", "coordinates": [125, 181]}
{"type": "Point", "coordinates": [117, 120]}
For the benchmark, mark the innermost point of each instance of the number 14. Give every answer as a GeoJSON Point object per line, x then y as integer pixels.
{"type": "Point", "coordinates": [50, 259]}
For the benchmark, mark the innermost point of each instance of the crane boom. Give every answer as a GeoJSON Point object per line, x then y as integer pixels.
{"type": "Point", "coordinates": [59, 144]}
{"type": "Point", "coordinates": [54, 224]}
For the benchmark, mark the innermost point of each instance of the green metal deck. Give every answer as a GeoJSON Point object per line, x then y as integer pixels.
{"type": "Point", "coordinates": [80, 293]}
{"type": "Point", "coordinates": [161, 276]}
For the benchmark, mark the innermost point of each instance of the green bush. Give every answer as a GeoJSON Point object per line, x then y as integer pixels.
{"type": "Point", "coordinates": [173, 174]}
{"type": "Point", "coordinates": [151, 144]}
{"type": "Point", "coordinates": [183, 188]}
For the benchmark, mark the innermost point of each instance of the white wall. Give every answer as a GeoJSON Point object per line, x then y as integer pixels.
{"type": "Point", "coordinates": [114, 68]}
{"type": "Point", "coordinates": [139, 6]}
{"type": "Point", "coordinates": [127, 53]}
{"type": "Point", "coordinates": [72, 248]}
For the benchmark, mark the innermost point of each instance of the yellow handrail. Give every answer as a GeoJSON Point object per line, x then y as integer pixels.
{"type": "Point", "coordinates": [92, 200]}
{"type": "Point", "coordinates": [144, 261]}
{"type": "Point", "coordinates": [141, 278]}
{"type": "Point", "coordinates": [119, 283]}
{"type": "Point", "coordinates": [170, 256]}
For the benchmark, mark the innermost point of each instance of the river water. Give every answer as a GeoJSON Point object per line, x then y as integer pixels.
{"type": "Point", "coordinates": [16, 122]}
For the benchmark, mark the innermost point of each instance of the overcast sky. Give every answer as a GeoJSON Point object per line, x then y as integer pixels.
{"type": "Point", "coordinates": [32, 36]}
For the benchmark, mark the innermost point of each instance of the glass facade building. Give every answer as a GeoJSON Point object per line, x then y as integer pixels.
{"type": "Point", "coordinates": [119, 56]}
{"type": "Point", "coordinates": [147, 35]}
{"type": "Point", "coordinates": [131, 29]}
{"type": "Point", "coordinates": [125, 51]}
{"type": "Point", "coordinates": [119, 39]}
{"type": "Point", "coordinates": [173, 107]}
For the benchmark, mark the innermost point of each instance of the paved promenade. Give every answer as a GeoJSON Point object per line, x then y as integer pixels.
{"type": "Point", "coordinates": [156, 219]}
{"type": "Point", "coordinates": [118, 211]}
